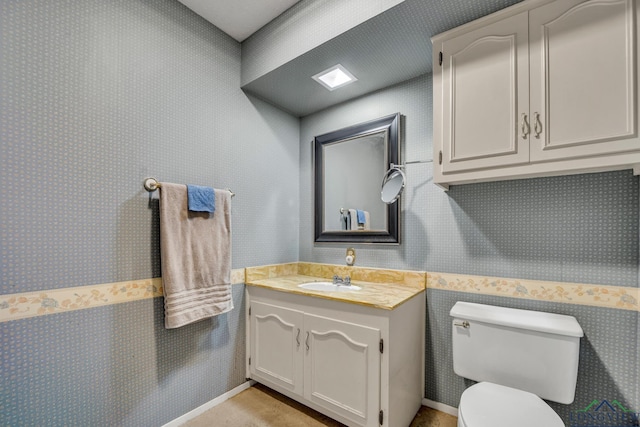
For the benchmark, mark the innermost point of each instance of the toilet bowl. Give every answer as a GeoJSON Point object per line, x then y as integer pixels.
{"type": "Point", "coordinates": [518, 357]}
{"type": "Point", "coordinates": [492, 405]}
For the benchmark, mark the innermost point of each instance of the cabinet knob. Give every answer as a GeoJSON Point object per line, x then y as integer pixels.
{"type": "Point", "coordinates": [524, 126]}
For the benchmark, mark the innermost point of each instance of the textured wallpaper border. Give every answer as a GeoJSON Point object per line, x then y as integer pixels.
{"type": "Point", "coordinates": [39, 303]}
{"type": "Point", "coordinates": [619, 297]}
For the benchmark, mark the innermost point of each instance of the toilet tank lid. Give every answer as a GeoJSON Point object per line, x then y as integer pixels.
{"type": "Point", "coordinates": [522, 319]}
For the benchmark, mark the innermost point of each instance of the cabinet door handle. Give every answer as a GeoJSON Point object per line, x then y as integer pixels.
{"type": "Point", "coordinates": [306, 342]}
{"type": "Point", "coordinates": [537, 126]}
{"type": "Point", "coordinates": [298, 338]}
{"type": "Point", "coordinates": [525, 126]}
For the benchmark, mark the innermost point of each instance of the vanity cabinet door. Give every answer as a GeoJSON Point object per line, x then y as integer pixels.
{"type": "Point", "coordinates": [276, 346]}
{"type": "Point", "coordinates": [485, 80]}
{"type": "Point", "coordinates": [342, 368]}
{"type": "Point", "coordinates": [583, 82]}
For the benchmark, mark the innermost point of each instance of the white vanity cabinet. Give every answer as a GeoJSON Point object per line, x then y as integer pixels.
{"type": "Point", "coordinates": [361, 366]}
{"type": "Point", "coordinates": [276, 349]}
{"type": "Point", "coordinates": [342, 368]}
{"type": "Point", "coordinates": [540, 88]}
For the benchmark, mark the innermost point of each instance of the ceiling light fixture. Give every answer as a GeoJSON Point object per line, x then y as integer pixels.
{"type": "Point", "coordinates": [334, 77]}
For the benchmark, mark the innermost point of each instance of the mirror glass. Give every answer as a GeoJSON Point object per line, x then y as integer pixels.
{"type": "Point", "coordinates": [348, 164]}
{"type": "Point", "coordinates": [392, 185]}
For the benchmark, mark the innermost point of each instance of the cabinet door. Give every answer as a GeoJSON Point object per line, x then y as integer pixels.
{"type": "Point", "coordinates": [583, 83]}
{"type": "Point", "coordinates": [276, 346]}
{"type": "Point", "coordinates": [342, 368]}
{"type": "Point", "coordinates": [485, 80]}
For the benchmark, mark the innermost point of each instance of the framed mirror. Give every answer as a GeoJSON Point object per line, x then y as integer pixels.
{"type": "Point", "coordinates": [348, 166]}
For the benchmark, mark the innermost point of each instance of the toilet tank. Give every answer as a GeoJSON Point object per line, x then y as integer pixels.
{"type": "Point", "coordinates": [528, 350]}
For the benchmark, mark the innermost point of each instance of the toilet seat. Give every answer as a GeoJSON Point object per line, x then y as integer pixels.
{"type": "Point", "coordinates": [492, 405]}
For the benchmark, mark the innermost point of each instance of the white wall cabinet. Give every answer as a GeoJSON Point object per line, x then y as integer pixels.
{"type": "Point", "coordinates": [338, 358]}
{"type": "Point", "coordinates": [487, 73]}
{"type": "Point", "coordinates": [541, 88]}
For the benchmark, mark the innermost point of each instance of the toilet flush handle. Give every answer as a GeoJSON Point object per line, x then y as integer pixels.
{"type": "Point", "coordinates": [464, 324]}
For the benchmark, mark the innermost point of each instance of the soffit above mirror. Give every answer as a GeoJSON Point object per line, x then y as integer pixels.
{"type": "Point", "coordinates": [386, 49]}
{"type": "Point", "coordinates": [239, 18]}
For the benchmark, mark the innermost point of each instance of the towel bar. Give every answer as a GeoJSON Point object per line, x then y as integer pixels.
{"type": "Point", "coordinates": [152, 184]}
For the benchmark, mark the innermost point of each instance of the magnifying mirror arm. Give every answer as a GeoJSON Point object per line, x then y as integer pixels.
{"type": "Point", "coordinates": [393, 165]}
{"type": "Point", "coordinates": [394, 181]}
{"type": "Point", "coordinates": [417, 161]}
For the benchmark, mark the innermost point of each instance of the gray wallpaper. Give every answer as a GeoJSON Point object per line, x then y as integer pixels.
{"type": "Point", "coordinates": [116, 365]}
{"type": "Point", "coordinates": [95, 97]}
{"type": "Point", "coordinates": [580, 228]}
{"type": "Point", "coordinates": [98, 95]}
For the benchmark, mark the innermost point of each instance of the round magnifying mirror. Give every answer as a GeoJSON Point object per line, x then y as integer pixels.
{"type": "Point", "coordinates": [392, 185]}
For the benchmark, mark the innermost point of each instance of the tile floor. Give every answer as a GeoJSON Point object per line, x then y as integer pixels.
{"type": "Point", "coordinates": [260, 406]}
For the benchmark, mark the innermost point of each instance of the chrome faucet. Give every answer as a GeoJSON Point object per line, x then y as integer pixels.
{"type": "Point", "coordinates": [337, 280]}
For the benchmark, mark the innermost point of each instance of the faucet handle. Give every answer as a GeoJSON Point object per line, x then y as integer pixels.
{"type": "Point", "coordinates": [336, 278]}
{"type": "Point", "coordinates": [347, 280]}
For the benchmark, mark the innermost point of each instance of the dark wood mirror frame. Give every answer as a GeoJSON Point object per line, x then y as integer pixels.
{"type": "Point", "coordinates": [392, 233]}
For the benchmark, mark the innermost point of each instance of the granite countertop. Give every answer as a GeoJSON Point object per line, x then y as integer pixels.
{"type": "Point", "coordinates": [386, 296]}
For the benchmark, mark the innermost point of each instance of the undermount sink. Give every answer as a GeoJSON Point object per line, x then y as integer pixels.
{"type": "Point", "coordinates": [328, 287]}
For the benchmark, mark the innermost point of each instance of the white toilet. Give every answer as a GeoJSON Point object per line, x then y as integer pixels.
{"type": "Point", "coordinates": [518, 357]}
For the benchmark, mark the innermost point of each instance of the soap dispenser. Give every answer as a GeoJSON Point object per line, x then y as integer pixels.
{"type": "Point", "coordinates": [351, 256]}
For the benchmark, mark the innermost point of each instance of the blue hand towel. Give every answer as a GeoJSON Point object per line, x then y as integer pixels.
{"type": "Point", "coordinates": [201, 199]}
{"type": "Point", "coordinates": [361, 216]}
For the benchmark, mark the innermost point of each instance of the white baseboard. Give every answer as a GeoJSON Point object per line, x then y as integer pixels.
{"type": "Point", "coordinates": [440, 407]}
{"type": "Point", "coordinates": [210, 404]}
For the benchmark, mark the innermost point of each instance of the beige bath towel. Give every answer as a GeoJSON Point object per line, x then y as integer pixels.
{"type": "Point", "coordinates": [354, 219]}
{"type": "Point", "coordinates": [196, 257]}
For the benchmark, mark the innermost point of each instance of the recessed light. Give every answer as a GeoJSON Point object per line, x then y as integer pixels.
{"type": "Point", "coordinates": [334, 77]}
